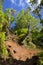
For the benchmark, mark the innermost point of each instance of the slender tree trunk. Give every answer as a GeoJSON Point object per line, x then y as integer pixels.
{"type": "Point", "coordinates": [29, 32]}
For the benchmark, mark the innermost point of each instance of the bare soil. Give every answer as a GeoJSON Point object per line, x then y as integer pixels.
{"type": "Point", "coordinates": [20, 53]}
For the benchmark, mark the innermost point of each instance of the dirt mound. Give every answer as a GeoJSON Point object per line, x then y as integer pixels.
{"type": "Point", "coordinates": [20, 53]}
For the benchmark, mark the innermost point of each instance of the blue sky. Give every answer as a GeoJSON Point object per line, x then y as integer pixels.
{"type": "Point", "coordinates": [18, 5]}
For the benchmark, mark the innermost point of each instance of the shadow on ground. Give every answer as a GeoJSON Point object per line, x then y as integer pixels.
{"type": "Point", "coordinates": [10, 61]}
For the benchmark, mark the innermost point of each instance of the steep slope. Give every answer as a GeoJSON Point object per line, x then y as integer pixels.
{"type": "Point", "coordinates": [20, 53]}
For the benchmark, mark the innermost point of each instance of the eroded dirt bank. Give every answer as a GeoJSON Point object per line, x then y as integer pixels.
{"type": "Point", "coordinates": [20, 53]}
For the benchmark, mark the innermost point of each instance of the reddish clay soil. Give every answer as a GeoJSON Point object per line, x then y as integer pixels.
{"type": "Point", "coordinates": [20, 53]}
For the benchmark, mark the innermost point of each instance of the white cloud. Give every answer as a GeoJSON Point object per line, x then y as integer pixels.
{"type": "Point", "coordinates": [13, 1]}
{"type": "Point", "coordinates": [18, 3]}
{"type": "Point", "coordinates": [21, 3]}
{"type": "Point", "coordinates": [27, 1]}
{"type": "Point", "coordinates": [38, 1]}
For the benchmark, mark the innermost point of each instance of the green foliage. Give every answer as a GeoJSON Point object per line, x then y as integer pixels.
{"type": "Point", "coordinates": [26, 24]}
{"type": "Point", "coordinates": [37, 38]}
{"type": "Point", "coordinates": [28, 44]}
{"type": "Point", "coordinates": [40, 59]}
{"type": "Point", "coordinates": [3, 49]}
{"type": "Point", "coordinates": [4, 28]}
{"type": "Point", "coordinates": [8, 15]}
{"type": "Point", "coordinates": [22, 19]}
{"type": "Point", "coordinates": [21, 32]}
{"type": "Point", "coordinates": [3, 23]}
{"type": "Point", "coordinates": [22, 24]}
{"type": "Point", "coordinates": [1, 26]}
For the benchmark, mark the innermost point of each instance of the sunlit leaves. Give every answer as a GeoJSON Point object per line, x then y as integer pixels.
{"type": "Point", "coordinates": [24, 20]}
{"type": "Point", "coordinates": [1, 26]}
{"type": "Point", "coordinates": [3, 50]}
{"type": "Point", "coordinates": [3, 22]}
{"type": "Point", "coordinates": [9, 15]}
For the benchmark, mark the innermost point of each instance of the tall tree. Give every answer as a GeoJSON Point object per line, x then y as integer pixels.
{"type": "Point", "coordinates": [25, 24]}
{"type": "Point", "coordinates": [37, 12]}
{"type": "Point", "coordinates": [9, 16]}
